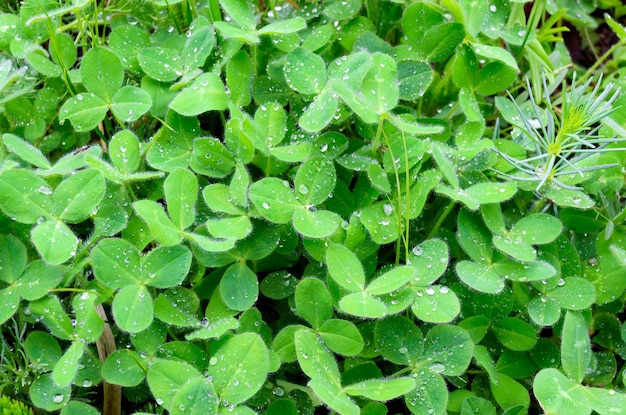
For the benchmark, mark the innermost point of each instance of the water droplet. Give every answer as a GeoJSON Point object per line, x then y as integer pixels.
{"type": "Point", "coordinates": [437, 367]}
{"type": "Point", "coordinates": [388, 209]}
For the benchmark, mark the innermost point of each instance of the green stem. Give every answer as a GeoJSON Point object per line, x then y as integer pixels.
{"type": "Point", "coordinates": [620, 217]}
{"type": "Point", "coordinates": [476, 372]}
{"type": "Point", "coordinates": [407, 192]}
{"type": "Point", "coordinates": [84, 251]}
{"type": "Point", "coordinates": [194, 10]}
{"type": "Point", "coordinates": [214, 11]}
{"type": "Point", "coordinates": [529, 26]}
{"type": "Point", "coordinates": [94, 24]}
{"type": "Point", "coordinates": [140, 362]}
{"type": "Point", "coordinates": [118, 121]}
{"type": "Point", "coordinates": [539, 206]}
{"type": "Point", "coordinates": [398, 208]}
{"type": "Point", "coordinates": [590, 43]}
{"type": "Point", "coordinates": [72, 290]}
{"type": "Point", "coordinates": [452, 110]}
{"type": "Point", "coordinates": [172, 12]}
{"type": "Point", "coordinates": [255, 65]}
{"type": "Point", "coordinates": [379, 132]}
{"type": "Point", "coordinates": [401, 372]}
{"type": "Point", "coordinates": [131, 194]}
{"type": "Point", "coordinates": [55, 46]}
{"type": "Point", "coordinates": [76, 25]}
{"type": "Point", "coordinates": [184, 8]}
{"type": "Point", "coordinates": [441, 218]}
{"type": "Point", "coordinates": [599, 62]}
{"type": "Point", "coordinates": [151, 143]}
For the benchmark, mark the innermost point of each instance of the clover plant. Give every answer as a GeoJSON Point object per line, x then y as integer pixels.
{"type": "Point", "coordinates": [283, 207]}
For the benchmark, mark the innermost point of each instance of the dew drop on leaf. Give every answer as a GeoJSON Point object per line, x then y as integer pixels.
{"type": "Point", "coordinates": [45, 190]}
{"type": "Point", "coordinates": [437, 367]}
{"type": "Point", "coordinates": [388, 209]}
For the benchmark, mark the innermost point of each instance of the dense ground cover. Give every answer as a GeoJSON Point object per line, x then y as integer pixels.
{"type": "Point", "coordinates": [357, 206]}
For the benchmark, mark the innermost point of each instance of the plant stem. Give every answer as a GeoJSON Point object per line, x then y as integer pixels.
{"type": "Point", "coordinates": [398, 208]}
{"type": "Point", "coordinates": [172, 12]}
{"type": "Point", "coordinates": [620, 217]}
{"type": "Point", "coordinates": [599, 62]}
{"type": "Point", "coordinates": [401, 372]}
{"type": "Point", "coordinates": [591, 46]}
{"type": "Point", "coordinates": [441, 218]}
{"type": "Point", "coordinates": [151, 143]}
{"type": "Point", "coordinates": [407, 192]}
{"type": "Point", "coordinates": [539, 206]}
{"type": "Point", "coordinates": [379, 132]}
{"type": "Point", "coordinates": [214, 11]}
